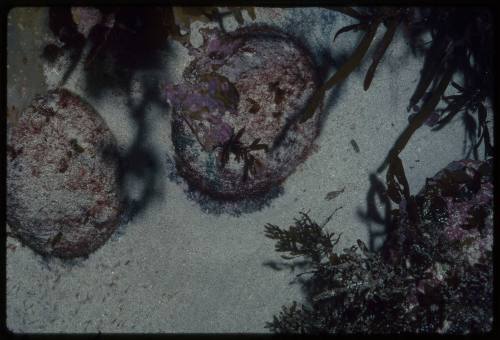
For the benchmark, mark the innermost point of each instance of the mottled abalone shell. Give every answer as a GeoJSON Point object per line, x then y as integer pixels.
{"type": "Point", "coordinates": [255, 78]}
{"type": "Point", "coordinates": [62, 189]}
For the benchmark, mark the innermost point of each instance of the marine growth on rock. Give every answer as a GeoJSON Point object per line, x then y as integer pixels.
{"type": "Point", "coordinates": [234, 124]}
{"type": "Point", "coordinates": [63, 197]}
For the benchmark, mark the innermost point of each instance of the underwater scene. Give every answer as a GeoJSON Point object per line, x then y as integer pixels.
{"type": "Point", "coordinates": [250, 170]}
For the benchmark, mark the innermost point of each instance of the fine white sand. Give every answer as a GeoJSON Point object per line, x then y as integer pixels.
{"type": "Point", "coordinates": [184, 266]}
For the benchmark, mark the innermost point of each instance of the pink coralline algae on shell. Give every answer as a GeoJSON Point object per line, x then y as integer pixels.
{"type": "Point", "coordinates": [255, 81]}
{"type": "Point", "coordinates": [204, 102]}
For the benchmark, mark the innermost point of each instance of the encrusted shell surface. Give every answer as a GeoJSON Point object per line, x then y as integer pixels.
{"type": "Point", "coordinates": [255, 78]}
{"type": "Point", "coordinates": [62, 189]}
